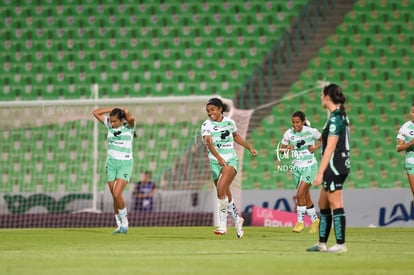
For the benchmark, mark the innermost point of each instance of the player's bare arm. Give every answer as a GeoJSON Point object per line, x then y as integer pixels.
{"type": "Point", "coordinates": [99, 113]}
{"type": "Point", "coordinates": [401, 146]}
{"type": "Point", "coordinates": [327, 155]}
{"type": "Point", "coordinates": [238, 139]}
{"type": "Point", "coordinates": [212, 149]}
{"type": "Point", "coordinates": [286, 148]}
{"type": "Point", "coordinates": [129, 118]}
{"type": "Point", "coordinates": [313, 148]}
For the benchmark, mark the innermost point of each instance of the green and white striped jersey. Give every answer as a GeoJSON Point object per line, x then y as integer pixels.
{"type": "Point", "coordinates": [406, 133]}
{"type": "Point", "coordinates": [119, 141]}
{"type": "Point", "coordinates": [222, 137]}
{"type": "Point", "coordinates": [301, 156]}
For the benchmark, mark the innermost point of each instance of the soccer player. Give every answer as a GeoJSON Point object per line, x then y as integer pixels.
{"type": "Point", "coordinates": [299, 142]}
{"type": "Point", "coordinates": [405, 142]}
{"type": "Point", "coordinates": [333, 169]}
{"type": "Point", "coordinates": [219, 134]}
{"type": "Point", "coordinates": [119, 162]}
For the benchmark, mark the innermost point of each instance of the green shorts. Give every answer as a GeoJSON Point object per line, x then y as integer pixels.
{"type": "Point", "coordinates": [305, 174]}
{"type": "Point", "coordinates": [410, 170]}
{"type": "Point", "coordinates": [118, 169]}
{"type": "Point", "coordinates": [215, 167]}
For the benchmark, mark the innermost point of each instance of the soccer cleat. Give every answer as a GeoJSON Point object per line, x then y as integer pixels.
{"type": "Point", "coordinates": [117, 231]}
{"type": "Point", "coordinates": [220, 231]}
{"type": "Point", "coordinates": [120, 230]}
{"type": "Point", "coordinates": [317, 247]}
{"type": "Point", "coordinates": [314, 227]}
{"type": "Point", "coordinates": [123, 229]}
{"type": "Point", "coordinates": [239, 227]}
{"type": "Point", "coordinates": [337, 248]}
{"type": "Point", "coordinates": [298, 227]}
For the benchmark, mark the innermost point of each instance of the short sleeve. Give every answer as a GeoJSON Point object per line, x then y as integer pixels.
{"type": "Point", "coordinates": [401, 133]}
{"type": "Point", "coordinates": [334, 126]}
{"type": "Point", "coordinates": [234, 126]}
{"type": "Point", "coordinates": [315, 133]}
{"type": "Point", "coordinates": [205, 129]}
{"type": "Point", "coordinates": [285, 139]}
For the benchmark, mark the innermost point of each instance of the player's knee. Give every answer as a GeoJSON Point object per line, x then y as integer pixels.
{"type": "Point", "coordinates": [221, 192]}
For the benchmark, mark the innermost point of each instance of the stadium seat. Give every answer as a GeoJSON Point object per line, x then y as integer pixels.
{"type": "Point", "coordinates": [371, 68]}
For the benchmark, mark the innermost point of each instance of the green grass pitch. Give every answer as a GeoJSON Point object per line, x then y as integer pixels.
{"type": "Point", "coordinates": [196, 250]}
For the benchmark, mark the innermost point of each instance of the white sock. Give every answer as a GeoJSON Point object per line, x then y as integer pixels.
{"type": "Point", "coordinates": [123, 217]}
{"type": "Point", "coordinates": [117, 220]}
{"type": "Point", "coordinates": [312, 213]}
{"type": "Point", "coordinates": [222, 207]}
{"type": "Point", "coordinates": [232, 210]}
{"type": "Point", "coordinates": [301, 210]}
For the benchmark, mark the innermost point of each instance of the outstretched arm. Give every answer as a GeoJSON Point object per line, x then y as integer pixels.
{"type": "Point", "coordinates": [237, 138]}
{"type": "Point", "coordinates": [99, 113]}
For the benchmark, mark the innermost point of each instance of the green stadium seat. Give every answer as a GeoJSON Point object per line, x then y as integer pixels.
{"type": "Point", "coordinates": [374, 66]}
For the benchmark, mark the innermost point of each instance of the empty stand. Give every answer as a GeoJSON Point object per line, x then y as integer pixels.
{"type": "Point", "coordinates": [67, 37]}
{"type": "Point", "coordinates": [368, 57]}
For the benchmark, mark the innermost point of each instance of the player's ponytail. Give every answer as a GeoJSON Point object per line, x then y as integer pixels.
{"type": "Point", "coordinates": [337, 97]}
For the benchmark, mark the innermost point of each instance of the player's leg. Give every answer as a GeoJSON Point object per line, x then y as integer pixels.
{"type": "Point", "coordinates": [226, 177]}
{"type": "Point", "coordinates": [238, 220]}
{"type": "Point", "coordinates": [410, 176]}
{"type": "Point", "coordinates": [110, 170]}
{"type": "Point", "coordinates": [300, 201]}
{"type": "Point", "coordinates": [215, 169]}
{"type": "Point", "coordinates": [124, 171]}
{"type": "Point", "coordinates": [339, 220]}
{"type": "Point", "coordinates": [309, 175]}
{"type": "Point", "coordinates": [117, 190]}
{"type": "Point", "coordinates": [300, 206]}
{"type": "Point", "coordinates": [305, 206]}
{"type": "Point", "coordinates": [325, 222]}
{"type": "Point", "coordinates": [311, 212]}
{"type": "Point", "coordinates": [115, 207]}
{"type": "Point", "coordinates": [231, 206]}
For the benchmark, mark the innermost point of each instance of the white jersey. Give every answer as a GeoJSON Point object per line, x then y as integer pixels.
{"type": "Point", "coordinates": [222, 137]}
{"type": "Point", "coordinates": [119, 141]}
{"type": "Point", "coordinates": [406, 134]}
{"type": "Point", "coordinates": [301, 156]}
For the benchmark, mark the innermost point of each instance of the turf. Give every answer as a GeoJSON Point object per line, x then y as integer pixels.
{"type": "Point", "coordinates": [196, 250]}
